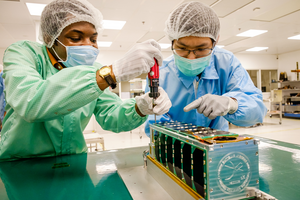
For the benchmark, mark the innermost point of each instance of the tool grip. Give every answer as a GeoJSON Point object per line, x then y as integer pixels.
{"type": "Point", "coordinates": [153, 77]}
{"type": "Point", "coordinates": [154, 71]}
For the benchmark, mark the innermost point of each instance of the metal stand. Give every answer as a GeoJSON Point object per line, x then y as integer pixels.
{"type": "Point", "coordinates": [276, 98]}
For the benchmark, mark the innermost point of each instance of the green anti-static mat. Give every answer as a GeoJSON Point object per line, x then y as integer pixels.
{"type": "Point", "coordinates": [75, 177]}
{"type": "Point", "coordinates": [95, 176]}
{"type": "Point", "coordinates": [279, 169]}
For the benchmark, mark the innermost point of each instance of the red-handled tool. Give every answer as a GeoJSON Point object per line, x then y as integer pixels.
{"type": "Point", "coordinates": [153, 77]}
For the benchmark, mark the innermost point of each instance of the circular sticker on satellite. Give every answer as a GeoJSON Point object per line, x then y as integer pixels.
{"type": "Point", "coordinates": [234, 172]}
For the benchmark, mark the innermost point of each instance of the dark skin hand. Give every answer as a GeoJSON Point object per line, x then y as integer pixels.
{"type": "Point", "coordinates": [81, 34]}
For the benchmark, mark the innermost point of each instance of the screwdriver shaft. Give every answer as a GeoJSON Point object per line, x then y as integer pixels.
{"type": "Point", "coordinates": [154, 114]}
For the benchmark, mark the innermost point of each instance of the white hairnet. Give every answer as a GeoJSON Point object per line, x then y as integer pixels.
{"type": "Point", "coordinates": [61, 13]}
{"type": "Point", "coordinates": [192, 19]}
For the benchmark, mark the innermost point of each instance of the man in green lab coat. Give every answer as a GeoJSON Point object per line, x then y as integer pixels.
{"type": "Point", "coordinates": [53, 89]}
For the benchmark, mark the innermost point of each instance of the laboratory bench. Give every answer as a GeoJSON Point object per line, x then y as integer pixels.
{"type": "Point", "coordinates": [121, 174]}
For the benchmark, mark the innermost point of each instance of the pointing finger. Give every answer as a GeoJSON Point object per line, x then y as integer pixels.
{"type": "Point", "coordinates": [193, 105]}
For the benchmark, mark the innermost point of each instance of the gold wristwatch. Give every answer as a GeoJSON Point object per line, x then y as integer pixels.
{"type": "Point", "coordinates": [105, 73]}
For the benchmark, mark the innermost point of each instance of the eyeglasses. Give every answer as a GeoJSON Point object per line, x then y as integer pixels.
{"type": "Point", "coordinates": [198, 52]}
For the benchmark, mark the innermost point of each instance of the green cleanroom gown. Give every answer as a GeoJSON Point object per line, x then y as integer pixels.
{"type": "Point", "coordinates": [47, 109]}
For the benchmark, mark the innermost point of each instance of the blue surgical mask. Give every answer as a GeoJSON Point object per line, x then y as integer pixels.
{"type": "Point", "coordinates": [79, 55]}
{"type": "Point", "coordinates": [191, 67]}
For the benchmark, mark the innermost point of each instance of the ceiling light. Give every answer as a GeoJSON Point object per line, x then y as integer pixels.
{"type": "Point", "coordinates": [296, 37]}
{"type": "Point", "coordinates": [164, 45]}
{"type": "Point", "coordinates": [220, 46]}
{"type": "Point", "coordinates": [251, 33]}
{"type": "Point", "coordinates": [112, 24]}
{"type": "Point", "coordinates": [104, 44]}
{"type": "Point", "coordinates": [35, 8]}
{"type": "Point", "coordinates": [257, 49]}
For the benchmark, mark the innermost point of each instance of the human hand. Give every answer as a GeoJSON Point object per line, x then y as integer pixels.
{"type": "Point", "coordinates": [138, 60]}
{"type": "Point", "coordinates": [212, 106]}
{"type": "Point", "coordinates": [162, 103]}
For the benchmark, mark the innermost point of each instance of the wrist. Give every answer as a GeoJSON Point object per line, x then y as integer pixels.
{"type": "Point", "coordinates": [138, 111]}
{"type": "Point", "coordinates": [105, 77]}
{"type": "Point", "coordinates": [233, 105]}
{"type": "Point", "coordinates": [102, 84]}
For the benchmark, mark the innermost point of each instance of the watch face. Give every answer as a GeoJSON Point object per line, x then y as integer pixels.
{"type": "Point", "coordinates": [105, 70]}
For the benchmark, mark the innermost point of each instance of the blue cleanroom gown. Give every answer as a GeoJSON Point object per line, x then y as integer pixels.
{"type": "Point", "coordinates": [48, 109]}
{"type": "Point", "coordinates": [224, 76]}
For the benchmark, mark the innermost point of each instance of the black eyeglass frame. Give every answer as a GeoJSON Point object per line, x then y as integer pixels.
{"type": "Point", "coordinates": [189, 51]}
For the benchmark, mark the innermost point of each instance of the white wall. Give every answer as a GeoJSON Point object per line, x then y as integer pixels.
{"type": "Point", "coordinates": [107, 57]}
{"type": "Point", "coordinates": [258, 61]}
{"type": "Point", "coordinates": [287, 62]}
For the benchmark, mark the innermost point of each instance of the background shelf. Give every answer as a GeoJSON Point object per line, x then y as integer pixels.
{"type": "Point", "coordinates": [284, 96]}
